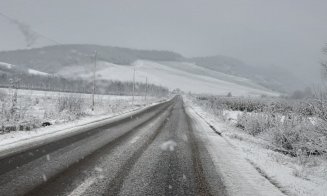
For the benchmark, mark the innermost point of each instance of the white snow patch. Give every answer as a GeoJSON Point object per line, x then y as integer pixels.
{"type": "Point", "coordinates": [98, 169]}
{"type": "Point", "coordinates": [134, 140]}
{"type": "Point", "coordinates": [35, 72]}
{"type": "Point", "coordinates": [82, 187]}
{"type": "Point", "coordinates": [6, 65]}
{"type": "Point", "coordinates": [44, 177]}
{"type": "Point", "coordinates": [169, 145]}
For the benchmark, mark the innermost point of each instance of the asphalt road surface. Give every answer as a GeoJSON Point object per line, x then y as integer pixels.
{"type": "Point", "coordinates": [152, 153]}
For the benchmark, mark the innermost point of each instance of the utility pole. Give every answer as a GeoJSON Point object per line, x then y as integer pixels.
{"type": "Point", "coordinates": [94, 75]}
{"type": "Point", "coordinates": [133, 86]}
{"type": "Point", "coordinates": [146, 88]}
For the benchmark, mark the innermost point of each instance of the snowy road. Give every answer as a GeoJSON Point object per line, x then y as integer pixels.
{"type": "Point", "coordinates": [157, 152]}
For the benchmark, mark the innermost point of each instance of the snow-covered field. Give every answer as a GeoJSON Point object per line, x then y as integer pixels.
{"type": "Point", "coordinates": [32, 108]}
{"type": "Point", "coordinates": [300, 175]}
{"type": "Point", "coordinates": [186, 76]}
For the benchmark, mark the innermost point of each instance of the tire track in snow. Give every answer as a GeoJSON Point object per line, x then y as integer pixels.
{"type": "Point", "coordinates": [116, 185]}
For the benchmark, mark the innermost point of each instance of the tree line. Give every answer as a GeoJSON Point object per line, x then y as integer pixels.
{"type": "Point", "coordinates": [62, 84]}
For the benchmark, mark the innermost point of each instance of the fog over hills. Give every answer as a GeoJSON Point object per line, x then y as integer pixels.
{"type": "Point", "coordinates": [52, 58]}
{"type": "Point", "coordinates": [276, 44]}
{"type": "Point", "coordinates": [59, 59]}
{"type": "Point", "coordinates": [272, 77]}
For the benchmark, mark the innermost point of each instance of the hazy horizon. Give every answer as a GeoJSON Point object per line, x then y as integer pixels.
{"type": "Point", "coordinates": [286, 34]}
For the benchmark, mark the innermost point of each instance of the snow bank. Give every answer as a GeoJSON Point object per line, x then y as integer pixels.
{"type": "Point", "coordinates": [288, 173]}
{"type": "Point", "coordinates": [22, 140]}
{"type": "Point", "coordinates": [239, 176]}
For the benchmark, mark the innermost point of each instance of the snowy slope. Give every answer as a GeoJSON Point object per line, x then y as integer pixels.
{"type": "Point", "coordinates": [6, 65]}
{"type": "Point", "coordinates": [188, 77]}
{"type": "Point", "coordinates": [36, 72]}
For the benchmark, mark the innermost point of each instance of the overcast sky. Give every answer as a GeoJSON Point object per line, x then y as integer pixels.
{"type": "Point", "coordinates": [286, 33]}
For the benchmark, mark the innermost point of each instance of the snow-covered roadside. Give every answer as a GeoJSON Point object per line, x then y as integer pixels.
{"type": "Point", "coordinates": [27, 109]}
{"type": "Point", "coordinates": [19, 140]}
{"type": "Point", "coordinates": [287, 173]}
{"type": "Point", "coordinates": [238, 175]}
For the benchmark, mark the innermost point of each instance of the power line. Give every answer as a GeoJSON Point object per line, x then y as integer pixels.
{"type": "Point", "coordinates": [17, 22]}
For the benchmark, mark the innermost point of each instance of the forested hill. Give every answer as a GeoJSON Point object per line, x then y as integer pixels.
{"type": "Point", "coordinates": [50, 59]}
{"type": "Point", "coordinates": [53, 59]}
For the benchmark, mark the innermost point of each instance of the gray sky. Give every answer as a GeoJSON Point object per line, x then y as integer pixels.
{"type": "Point", "coordinates": [286, 33]}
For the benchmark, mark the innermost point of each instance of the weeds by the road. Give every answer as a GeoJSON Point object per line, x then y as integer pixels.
{"type": "Point", "coordinates": [27, 109]}
{"type": "Point", "coordinates": [298, 127]}
{"type": "Point", "coordinates": [285, 140]}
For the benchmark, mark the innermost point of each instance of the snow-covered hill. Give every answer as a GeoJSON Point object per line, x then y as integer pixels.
{"type": "Point", "coordinates": [8, 68]}
{"type": "Point", "coordinates": [185, 76]}
{"type": "Point", "coordinates": [169, 69]}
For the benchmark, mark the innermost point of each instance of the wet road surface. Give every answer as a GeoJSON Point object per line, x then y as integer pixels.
{"type": "Point", "coordinates": [154, 153]}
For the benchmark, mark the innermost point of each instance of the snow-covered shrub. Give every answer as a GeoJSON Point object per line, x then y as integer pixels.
{"type": "Point", "coordinates": [116, 105]}
{"type": "Point", "coordinates": [263, 104]}
{"type": "Point", "coordinates": [3, 95]}
{"type": "Point", "coordinates": [298, 127]}
{"type": "Point", "coordinates": [37, 101]}
{"type": "Point", "coordinates": [73, 104]}
{"type": "Point", "coordinates": [319, 105]}
{"type": "Point", "coordinates": [293, 133]}
{"type": "Point", "coordinates": [6, 107]}
{"type": "Point", "coordinates": [212, 105]}
{"type": "Point", "coordinates": [297, 134]}
{"type": "Point", "coordinates": [255, 123]}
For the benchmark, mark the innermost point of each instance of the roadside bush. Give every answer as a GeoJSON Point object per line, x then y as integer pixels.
{"type": "Point", "coordinates": [296, 126]}
{"type": "Point", "coordinates": [298, 135]}
{"type": "Point", "coordinates": [211, 105]}
{"type": "Point", "coordinates": [319, 105]}
{"type": "Point", "coordinates": [255, 123]}
{"type": "Point", "coordinates": [293, 133]}
{"type": "Point", "coordinates": [266, 104]}
{"type": "Point", "coordinates": [3, 95]}
{"type": "Point", "coordinates": [73, 104]}
{"type": "Point", "coordinates": [7, 111]}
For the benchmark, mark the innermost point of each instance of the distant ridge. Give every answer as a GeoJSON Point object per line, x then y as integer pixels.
{"type": "Point", "coordinates": [52, 59]}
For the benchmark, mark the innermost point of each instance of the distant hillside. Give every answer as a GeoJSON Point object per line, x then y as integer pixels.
{"type": "Point", "coordinates": [223, 64]}
{"type": "Point", "coordinates": [57, 59]}
{"type": "Point", "coordinates": [51, 59]}
{"type": "Point", "coordinates": [272, 77]}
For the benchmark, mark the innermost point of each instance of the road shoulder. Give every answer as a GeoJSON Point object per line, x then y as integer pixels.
{"type": "Point", "coordinates": [239, 176]}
